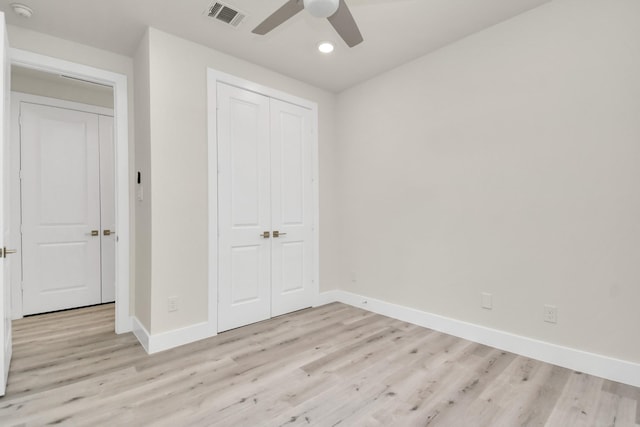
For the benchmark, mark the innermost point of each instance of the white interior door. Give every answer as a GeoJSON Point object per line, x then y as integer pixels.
{"type": "Point", "coordinates": [107, 209]}
{"type": "Point", "coordinates": [291, 208]}
{"type": "Point", "coordinates": [244, 294]}
{"type": "Point", "coordinates": [5, 284]}
{"type": "Point", "coordinates": [60, 175]}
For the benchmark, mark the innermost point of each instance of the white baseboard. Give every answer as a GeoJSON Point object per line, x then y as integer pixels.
{"type": "Point", "coordinates": [140, 332]}
{"type": "Point", "coordinates": [328, 297]}
{"type": "Point", "coordinates": [577, 360]}
{"type": "Point", "coordinates": [170, 339]}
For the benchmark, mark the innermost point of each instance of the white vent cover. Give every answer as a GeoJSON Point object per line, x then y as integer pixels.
{"type": "Point", "coordinates": [225, 13]}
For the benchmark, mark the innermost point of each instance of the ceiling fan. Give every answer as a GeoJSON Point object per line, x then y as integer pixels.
{"type": "Point", "coordinates": [336, 11]}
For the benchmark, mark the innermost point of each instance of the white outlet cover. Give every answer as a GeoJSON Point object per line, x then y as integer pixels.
{"type": "Point", "coordinates": [550, 314]}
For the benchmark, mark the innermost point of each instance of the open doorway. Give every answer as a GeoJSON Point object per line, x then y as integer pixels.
{"type": "Point", "coordinates": [64, 200]}
{"type": "Point", "coordinates": [116, 85]}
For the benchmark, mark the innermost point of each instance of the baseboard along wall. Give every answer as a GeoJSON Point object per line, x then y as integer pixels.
{"type": "Point", "coordinates": [170, 339]}
{"type": "Point", "coordinates": [570, 358]}
{"type": "Point", "coordinates": [578, 360]}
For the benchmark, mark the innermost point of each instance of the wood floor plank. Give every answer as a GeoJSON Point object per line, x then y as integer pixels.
{"type": "Point", "coordinates": [331, 365]}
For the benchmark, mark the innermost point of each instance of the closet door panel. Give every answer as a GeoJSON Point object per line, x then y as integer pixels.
{"type": "Point", "coordinates": [292, 208]}
{"type": "Point", "coordinates": [244, 274]}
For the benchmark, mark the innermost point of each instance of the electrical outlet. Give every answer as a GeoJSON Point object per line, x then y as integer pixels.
{"type": "Point", "coordinates": [172, 304]}
{"type": "Point", "coordinates": [550, 314]}
{"type": "Point", "coordinates": [354, 277]}
{"type": "Point", "coordinates": [487, 302]}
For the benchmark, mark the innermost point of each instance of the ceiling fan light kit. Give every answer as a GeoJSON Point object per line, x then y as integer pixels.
{"type": "Point", "coordinates": [321, 8]}
{"type": "Point", "coordinates": [336, 11]}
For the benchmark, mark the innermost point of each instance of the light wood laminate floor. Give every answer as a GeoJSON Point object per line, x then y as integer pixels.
{"type": "Point", "coordinates": [332, 365]}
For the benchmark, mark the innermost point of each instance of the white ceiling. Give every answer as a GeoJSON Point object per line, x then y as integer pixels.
{"type": "Point", "coordinates": [395, 31]}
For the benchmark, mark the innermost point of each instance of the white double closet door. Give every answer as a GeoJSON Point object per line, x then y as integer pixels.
{"type": "Point", "coordinates": [67, 192]}
{"type": "Point", "coordinates": [265, 207]}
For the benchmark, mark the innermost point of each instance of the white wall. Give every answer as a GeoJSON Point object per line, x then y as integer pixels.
{"type": "Point", "coordinates": [39, 83]}
{"type": "Point", "coordinates": [142, 308]}
{"type": "Point", "coordinates": [505, 163]}
{"type": "Point", "coordinates": [44, 44]}
{"type": "Point", "coordinates": [178, 153]}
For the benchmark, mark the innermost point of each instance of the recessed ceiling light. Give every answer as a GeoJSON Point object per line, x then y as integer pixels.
{"type": "Point", "coordinates": [326, 47]}
{"type": "Point", "coordinates": [22, 10]}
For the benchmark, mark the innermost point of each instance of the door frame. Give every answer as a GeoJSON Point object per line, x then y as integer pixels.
{"type": "Point", "coordinates": [119, 84]}
{"type": "Point", "coordinates": [16, 212]}
{"type": "Point", "coordinates": [213, 78]}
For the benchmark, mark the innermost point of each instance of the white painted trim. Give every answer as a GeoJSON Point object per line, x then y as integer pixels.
{"type": "Point", "coordinates": [590, 363]}
{"type": "Point", "coordinates": [177, 337]}
{"type": "Point", "coordinates": [212, 144]}
{"type": "Point", "coordinates": [140, 332]}
{"type": "Point", "coordinates": [119, 83]}
{"type": "Point", "coordinates": [328, 297]}
{"type": "Point", "coordinates": [61, 103]}
{"type": "Point", "coordinates": [16, 99]}
{"type": "Point", "coordinates": [213, 77]}
{"type": "Point", "coordinates": [315, 165]}
{"type": "Point", "coordinates": [219, 76]}
{"type": "Point", "coordinates": [170, 339]}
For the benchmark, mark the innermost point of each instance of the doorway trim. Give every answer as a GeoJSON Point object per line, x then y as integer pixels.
{"type": "Point", "coordinates": [213, 78]}
{"type": "Point", "coordinates": [49, 64]}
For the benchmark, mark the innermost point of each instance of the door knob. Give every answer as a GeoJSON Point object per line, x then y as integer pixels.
{"type": "Point", "coordinates": [266, 235]}
{"type": "Point", "coordinates": [95, 233]}
{"type": "Point", "coordinates": [107, 232]}
{"type": "Point", "coordinates": [4, 252]}
{"type": "Point", "coordinates": [277, 234]}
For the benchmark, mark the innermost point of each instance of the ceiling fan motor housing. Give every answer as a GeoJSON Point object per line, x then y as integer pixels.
{"type": "Point", "coordinates": [321, 8]}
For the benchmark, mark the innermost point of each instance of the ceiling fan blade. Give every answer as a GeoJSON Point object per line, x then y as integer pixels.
{"type": "Point", "coordinates": [289, 9]}
{"type": "Point", "coordinates": [345, 25]}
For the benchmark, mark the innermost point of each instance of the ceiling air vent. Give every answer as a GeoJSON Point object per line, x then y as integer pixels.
{"type": "Point", "coordinates": [226, 14]}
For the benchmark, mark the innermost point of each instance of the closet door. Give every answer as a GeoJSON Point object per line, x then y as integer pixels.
{"type": "Point", "coordinates": [291, 208]}
{"type": "Point", "coordinates": [244, 264]}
